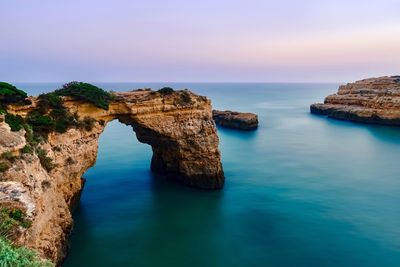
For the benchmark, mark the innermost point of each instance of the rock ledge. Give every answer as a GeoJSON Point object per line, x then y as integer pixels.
{"type": "Point", "coordinates": [374, 100]}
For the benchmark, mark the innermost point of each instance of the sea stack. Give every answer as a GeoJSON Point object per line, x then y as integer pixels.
{"type": "Point", "coordinates": [236, 120]}
{"type": "Point", "coordinates": [373, 100]}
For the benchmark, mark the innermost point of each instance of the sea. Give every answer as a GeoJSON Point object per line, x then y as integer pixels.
{"type": "Point", "coordinates": [302, 190]}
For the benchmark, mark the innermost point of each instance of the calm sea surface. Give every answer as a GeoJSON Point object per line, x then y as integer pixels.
{"type": "Point", "coordinates": [302, 190]}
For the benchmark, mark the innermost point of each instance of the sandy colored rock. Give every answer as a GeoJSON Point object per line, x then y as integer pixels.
{"type": "Point", "coordinates": [374, 100]}
{"type": "Point", "coordinates": [10, 141]}
{"type": "Point", "coordinates": [179, 127]}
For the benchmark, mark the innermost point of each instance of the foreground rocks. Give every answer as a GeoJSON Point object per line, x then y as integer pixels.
{"type": "Point", "coordinates": [178, 126]}
{"type": "Point", "coordinates": [236, 120]}
{"type": "Point", "coordinates": [374, 100]}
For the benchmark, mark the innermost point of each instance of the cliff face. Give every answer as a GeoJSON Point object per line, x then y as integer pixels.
{"type": "Point", "coordinates": [375, 100]}
{"type": "Point", "coordinates": [178, 126]}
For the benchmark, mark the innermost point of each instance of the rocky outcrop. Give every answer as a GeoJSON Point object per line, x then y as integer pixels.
{"type": "Point", "coordinates": [236, 120]}
{"type": "Point", "coordinates": [10, 141]}
{"type": "Point", "coordinates": [178, 126]}
{"type": "Point", "coordinates": [374, 100]}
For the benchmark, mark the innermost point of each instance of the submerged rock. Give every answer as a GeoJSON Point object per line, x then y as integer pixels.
{"type": "Point", "coordinates": [374, 100]}
{"type": "Point", "coordinates": [236, 120]}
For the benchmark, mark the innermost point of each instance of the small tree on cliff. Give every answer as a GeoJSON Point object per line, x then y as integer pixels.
{"type": "Point", "coordinates": [166, 91]}
{"type": "Point", "coordinates": [10, 94]}
{"type": "Point", "coordinates": [86, 92]}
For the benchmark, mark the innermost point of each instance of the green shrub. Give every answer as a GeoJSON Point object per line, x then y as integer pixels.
{"type": "Point", "coordinates": [11, 94]}
{"type": "Point", "coordinates": [45, 160]}
{"type": "Point", "coordinates": [166, 91]}
{"type": "Point", "coordinates": [66, 123]}
{"type": "Point", "coordinates": [12, 256]}
{"type": "Point", "coordinates": [32, 138]}
{"type": "Point", "coordinates": [27, 149]}
{"type": "Point", "coordinates": [10, 219]}
{"type": "Point", "coordinates": [17, 214]}
{"type": "Point", "coordinates": [15, 121]}
{"type": "Point", "coordinates": [8, 225]}
{"type": "Point", "coordinates": [86, 92]}
{"type": "Point", "coordinates": [63, 120]}
{"type": "Point", "coordinates": [49, 100]}
{"type": "Point", "coordinates": [26, 224]}
{"type": "Point", "coordinates": [8, 156]}
{"type": "Point", "coordinates": [40, 123]}
{"type": "Point", "coordinates": [51, 116]}
{"type": "Point", "coordinates": [185, 98]}
{"type": "Point", "coordinates": [4, 166]}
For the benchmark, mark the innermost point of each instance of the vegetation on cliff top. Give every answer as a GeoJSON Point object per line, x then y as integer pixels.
{"type": "Point", "coordinates": [184, 95]}
{"type": "Point", "coordinates": [14, 121]}
{"type": "Point", "coordinates": [11, 94]}
{"type": "Point", "coordinates": [49, 115]}
{"type": "Point", "coordinates": [86, 92]}
{"type": "Point", "coordinates": [166, 90]}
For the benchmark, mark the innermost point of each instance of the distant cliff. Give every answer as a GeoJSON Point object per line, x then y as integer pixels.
{"type": "Point", "coordinates": [374, 100]}
{"type": "Point", "coordinates": [43, 174]}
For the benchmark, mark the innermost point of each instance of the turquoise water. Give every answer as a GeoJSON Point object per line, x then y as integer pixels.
{"type": "Point", "coordinates": [302, 190]}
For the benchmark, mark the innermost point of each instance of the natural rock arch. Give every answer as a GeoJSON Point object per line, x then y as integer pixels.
{"type": "Point", "coordinates": [182, 134]}
{"type": "Point", "coordinates": [178, 126]}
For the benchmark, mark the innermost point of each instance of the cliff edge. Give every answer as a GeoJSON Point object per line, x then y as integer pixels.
{"type": "Point", "coordinates": [44, 176]}
{"type": "Point", "coordinates": [374, 100]}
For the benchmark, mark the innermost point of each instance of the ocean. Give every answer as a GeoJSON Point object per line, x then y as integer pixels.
{"type": "Point", "coordinates": [302, 190]}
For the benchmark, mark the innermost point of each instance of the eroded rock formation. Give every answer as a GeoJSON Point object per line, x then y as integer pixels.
{"type": "Point", "coordinates": [236, 120]}
{"type": "Point", "coordinates": [374, 100]}
{"type": "Point", "coordinates": [178, 126]}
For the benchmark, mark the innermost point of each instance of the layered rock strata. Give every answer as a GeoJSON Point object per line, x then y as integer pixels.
{"type": "Point", "coordinates": [178, 126]}
{"type": "Point", "coordinates": [236, 120]}
{"type": "Point", "coordinates": [374, 100]}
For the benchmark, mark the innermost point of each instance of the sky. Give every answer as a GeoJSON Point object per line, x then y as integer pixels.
{"type": "Point", "coordinates": [199, 41]}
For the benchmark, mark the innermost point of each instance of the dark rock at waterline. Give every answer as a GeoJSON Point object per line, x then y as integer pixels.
{"type": "Point", "coordinates": [236, 120]}
{"type": "Point", "coordinates": [374, 100]}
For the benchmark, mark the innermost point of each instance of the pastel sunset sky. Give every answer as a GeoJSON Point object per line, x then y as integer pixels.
{"type": "Point", "coordinates": [199, 41]}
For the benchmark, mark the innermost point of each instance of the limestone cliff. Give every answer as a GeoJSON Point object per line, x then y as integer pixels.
{"type": "Point", "coordinates": [374, 100]}
{"type": "Point", "coordinates": [178, 126]}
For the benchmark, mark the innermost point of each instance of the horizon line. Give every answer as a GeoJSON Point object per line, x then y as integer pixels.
{"type": "Point", "coordinates": [198, 82]}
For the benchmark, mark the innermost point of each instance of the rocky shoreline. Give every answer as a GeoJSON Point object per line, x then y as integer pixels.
{"type": "Point", "coordinates": [177, 124]}
{"type": "Point", "coordinates": [373, 100]}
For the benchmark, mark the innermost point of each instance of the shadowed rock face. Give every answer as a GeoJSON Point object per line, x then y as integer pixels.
{"type": "Point", "coordinates": [236, 120]}
{"type": "Point", "coordinates": [180, 130]}
{"type": "Point", "coordinates": [375, 100]}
